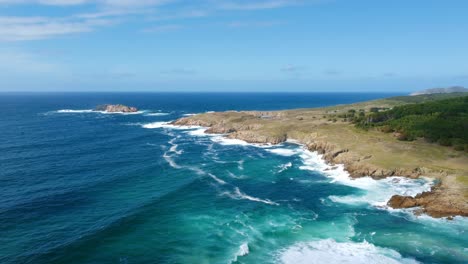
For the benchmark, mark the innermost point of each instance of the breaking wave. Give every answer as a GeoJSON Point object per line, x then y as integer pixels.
{"type": "Point", "coordinates": [331, 252]}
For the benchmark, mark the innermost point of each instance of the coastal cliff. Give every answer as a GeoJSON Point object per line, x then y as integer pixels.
{"type": "Point", "coordinates": [363, 153]}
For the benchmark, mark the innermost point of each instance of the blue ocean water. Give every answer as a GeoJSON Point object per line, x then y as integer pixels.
{"type": "Point", "coordinates": [78, 186]}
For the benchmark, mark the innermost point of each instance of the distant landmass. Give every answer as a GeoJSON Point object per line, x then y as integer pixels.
{"type": "Point", "coordinates": [453, 89]}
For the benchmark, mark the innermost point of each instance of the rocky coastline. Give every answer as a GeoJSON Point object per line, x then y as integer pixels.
{"type": "Point", "coordinates": [442, 201]}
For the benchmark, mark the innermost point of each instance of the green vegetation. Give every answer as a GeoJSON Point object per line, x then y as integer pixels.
{"type": "Point", "coordinates": [442, 121]}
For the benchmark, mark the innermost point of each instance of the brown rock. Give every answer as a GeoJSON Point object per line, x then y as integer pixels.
{"type": "Point", "coordinates": [117, 108]}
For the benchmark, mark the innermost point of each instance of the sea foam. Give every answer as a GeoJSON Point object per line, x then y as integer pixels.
{"type": "Point", "coordinates": [157, 114]}
{"type": "Point", "coordinates": [85, 111]}
{"type": "Point", "coordinates": [237, 194]}
{"type": "Point", "coordinates": [243, 250]}
{"type": "Point", "coordinates": [168, 125]}
{"type": "Point", "coordinates": [375, 192]}
{"type": "Point", "coordinates": [331, 252]}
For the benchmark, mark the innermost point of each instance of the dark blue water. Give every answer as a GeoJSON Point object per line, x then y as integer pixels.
{"type": "Point", "coordinates": [88, 187]}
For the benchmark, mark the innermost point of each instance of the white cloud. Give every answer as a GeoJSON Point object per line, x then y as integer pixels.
{"type": "Point", "coordinates": [255, 24]}
{"type": "Point", "coordinates": [162, 28]}
{"type": "Point", "coordinates": [32, 28]}
{"type": "Point", "coordinates": [17, 61]}
{"type": "Point", "coordinates": [46, 2]}
{"type": "Point", "coordinates": [108, 12]}
{"type": "Point", "coordinates": [255, 5]}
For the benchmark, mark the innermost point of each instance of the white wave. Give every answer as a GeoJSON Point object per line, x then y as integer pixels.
{"type": "Point", "coordinates": [72, 111]}
{"type": "Point", "coordinates": [223, 140]}
{"type": "Point", "coordinates": [238, 195]}
{"type": "Point", "coordinates": [200, 132]}
{"type": "Point", "coordinates": [240, 164]}
{"type": "Point", "coordinates": [283, 151]}
{"type": "Point", "coordinates": [171, 162]}
{"type": "Point", "coordinates": [218, 180]}
{"type": "Point", "coordinates": [157, 114]}
{"type": "Point", "coordinates": [174, 146]}
{"type": "Point", "coordinates": [167, 125]}
{"type": "Point", "coordinates": [229, 141]}
{"type": "Point", "coordinates": [173, 149]}
{"type": "Point", "coordinates": [75, 111]}
{"type": "Point", "coordinates": [120, 113]}
{"type": "Point", "coordinates": [243, 250]}
{"type": "Point", "coordinates": [378, 192]}
{"type": "Point", "coordinates": [285, 167]}
{"type": "Point", "coordinates": [191, 114]}
{"type": "Point", "coordinates": [232, 175]}
{"type": "Point", "coordinates": [375, 192]}
{"type": "Point", "coordinates": [331, 252]}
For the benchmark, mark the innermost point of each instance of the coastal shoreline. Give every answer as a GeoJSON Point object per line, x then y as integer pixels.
{"type": "Point", "coordinates": [445, 199]}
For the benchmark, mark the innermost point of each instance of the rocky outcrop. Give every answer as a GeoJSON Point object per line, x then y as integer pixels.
{"type": "Point", "coordinates": [439, 202]}
{"type": "Point", "coordinates": [116, 108]}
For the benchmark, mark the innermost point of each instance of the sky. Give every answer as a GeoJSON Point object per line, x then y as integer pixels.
{"type": "Point", "coordinates": [233, 45]}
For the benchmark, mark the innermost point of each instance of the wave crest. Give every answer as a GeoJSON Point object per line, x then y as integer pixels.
{"type": "Point", "coordinates": [333, 252]}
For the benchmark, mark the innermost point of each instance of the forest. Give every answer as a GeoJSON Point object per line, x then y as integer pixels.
{"type": "Point", "coordinates": [443, 121]}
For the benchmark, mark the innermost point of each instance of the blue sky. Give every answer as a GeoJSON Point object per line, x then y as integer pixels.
{"type": "Point", "coordinates": [232, 45]}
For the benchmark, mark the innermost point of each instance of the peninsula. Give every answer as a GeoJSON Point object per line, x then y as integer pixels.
{"type": "Point", "coordinates": [373, 150]}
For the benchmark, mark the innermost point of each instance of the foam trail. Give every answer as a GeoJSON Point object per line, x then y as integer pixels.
{"type": "Point", "coordinates": [285, 167]}
{"type": "Point", "coordinates": [240, 164]}
{"type": "Point", "coordinates": [283, 151]}
{"type": "Point", "coordinates": [223, 140]}
{"type": "Point", "coordinates": [218, 180]}
{"type": "Point", "coordinates": [232, 175]}
{"type": "Point", "coordinates": [238, 195]}
{"type": "Point", "coordinates": [171, 162]}
{"type": "Point", "coordinates": [243, 250]}
{"type": "Point", "coordinates": [71, 111]}
{"type": "Point", "coordinates": [378, 192]}
{"type": "Point", "coordinates": [173, 149]}
{"type": "Point", "coordinates": [200, 132]}
{"type": "Point", "coordinates": [120, 113]}
{"type": "Point", "coordinates": [346, 252]}
{"type": "Point", "coordinates": [157, 114]}
{"type": "Point", "coordinates": [174, 146]}
{"type": "Point", "coordinates": [168, 125]}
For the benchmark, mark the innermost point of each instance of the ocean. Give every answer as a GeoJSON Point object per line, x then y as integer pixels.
{"type": "Point", "coordinates": [80, 186]}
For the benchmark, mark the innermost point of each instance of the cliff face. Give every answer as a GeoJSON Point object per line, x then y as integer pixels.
{"type": "Point", "coordinates": [256, 127]}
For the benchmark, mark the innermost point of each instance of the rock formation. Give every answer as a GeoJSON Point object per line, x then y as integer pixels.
{"type": "Point", "coordinates": [116, 108]}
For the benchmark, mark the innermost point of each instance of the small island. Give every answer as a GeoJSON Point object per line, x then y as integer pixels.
{"type": "Point", "coordinates": [409, 136]}
{"type": "Point", "coordinates": [118, 108]}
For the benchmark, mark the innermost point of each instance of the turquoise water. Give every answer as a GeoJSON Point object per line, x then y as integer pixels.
{"type": "Point", "coordinates": [79, 186]}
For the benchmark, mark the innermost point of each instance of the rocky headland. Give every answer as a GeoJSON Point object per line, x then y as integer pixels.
{"type": "Point", "coordinates": [363, 153]}
{"type": "Point", "coordinates": [118, 108]}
